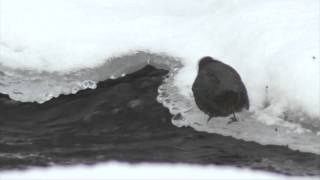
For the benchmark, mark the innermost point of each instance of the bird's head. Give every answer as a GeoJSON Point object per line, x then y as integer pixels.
{"type": "Point", "coordinates": [206, 60]}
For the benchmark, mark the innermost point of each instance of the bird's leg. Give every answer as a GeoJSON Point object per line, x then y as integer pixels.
{"type": "Point", "coordinates": [234, 116]}
{"type": "Point", "coordinates": [208, 119]}
{"type": "Point", "coordinates": [233, 119]}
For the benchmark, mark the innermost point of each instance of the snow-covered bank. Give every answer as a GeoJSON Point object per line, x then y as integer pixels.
{"type": "Point", "coordinates": [53, 47]}
{"type": "Point", "coordinates": [115, 170]}
{"type": "Point", "coordinates": [271, 43]}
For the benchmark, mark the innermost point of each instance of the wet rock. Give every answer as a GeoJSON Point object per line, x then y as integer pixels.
{"type": "Point", "coordinates": [134, 103]}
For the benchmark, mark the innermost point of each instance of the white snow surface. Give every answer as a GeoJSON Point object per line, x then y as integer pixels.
{"type": "Point", "coordinates": [271, 43]}
{"type": "Point", "coordinates": [145, 171]}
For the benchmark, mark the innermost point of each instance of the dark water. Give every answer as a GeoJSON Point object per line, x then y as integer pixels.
{"type": "Point", "coordinates": [121, 120]}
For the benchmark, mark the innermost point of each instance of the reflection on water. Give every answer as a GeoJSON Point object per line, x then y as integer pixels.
{"type": "Point", "coordinates": [122, 120]}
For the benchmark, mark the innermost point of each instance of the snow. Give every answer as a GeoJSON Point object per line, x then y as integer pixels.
{"type": "Point", "coordinates": [272, 44]}
{"type": "Point", "coordinates": [116, 170]}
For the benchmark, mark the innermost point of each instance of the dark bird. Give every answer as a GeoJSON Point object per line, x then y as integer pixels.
{"type": "Point", "coordinates": [218, 89]}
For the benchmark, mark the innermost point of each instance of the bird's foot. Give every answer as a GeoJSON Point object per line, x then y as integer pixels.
{"type": "Point", "coordinates": [232, 120]}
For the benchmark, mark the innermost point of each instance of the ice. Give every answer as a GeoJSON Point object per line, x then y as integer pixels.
{"type": "Point", "coordinates": [40, 86]}
{"type": "Point", "coordinates": [293, 129]}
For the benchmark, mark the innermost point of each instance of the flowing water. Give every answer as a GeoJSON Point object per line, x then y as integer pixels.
{"type": "Point", "coordinates": [122, 120]}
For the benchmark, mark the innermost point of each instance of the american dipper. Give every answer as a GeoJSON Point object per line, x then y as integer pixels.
{"type": "Point", "coordinates": [218, 89]}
